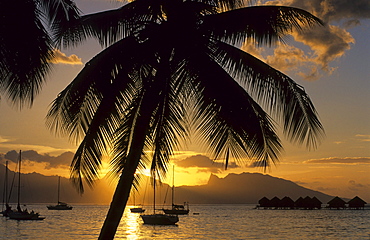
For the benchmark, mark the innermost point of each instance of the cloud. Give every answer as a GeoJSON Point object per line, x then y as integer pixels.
{"type": "Point", "coordinates": [64, 59]}
{"type": "Point", "coordinates": [204, 163]}
{"type": "Point", "coordinates": [327, 43]}
{"type": "Point", "coordinates": [4, 140]}
{"type": "Point", "coordinates": [346, 160]}
{"type": "Point", "coordinates": [354, 186]}
{"type": "Point", "coordinates": [337, 10]}
{"type": "Point", "coordinates": [363, 138]}
{"type": "Point", "coordinates": [63, 160]}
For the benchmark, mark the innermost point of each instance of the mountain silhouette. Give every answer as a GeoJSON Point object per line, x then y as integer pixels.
{"type": "Point", "coordinates": [244, 188]}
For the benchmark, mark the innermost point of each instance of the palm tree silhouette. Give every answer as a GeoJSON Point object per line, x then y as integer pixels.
{"type": "Point", "coordinates": [26, 45]}
{"type": "Point", "coordinates": [174, 65]}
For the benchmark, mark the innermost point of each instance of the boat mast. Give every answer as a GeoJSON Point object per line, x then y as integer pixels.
{"type": "Point", "coordinates": [154, 192]}
{"type": "Point", "coordinates": [58, 187]}
{"type": "Point", "coordinates": [19, 180]}
{"type": "Point", "coordinates": [5, 190]}
{"type": "Point", "coordinates": [173, 184]}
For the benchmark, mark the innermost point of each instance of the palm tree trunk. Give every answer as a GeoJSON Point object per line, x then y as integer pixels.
{"type": "Point", "coordinates": [124, 185]}
{"type": "Point", "coordinates": [119, 201]}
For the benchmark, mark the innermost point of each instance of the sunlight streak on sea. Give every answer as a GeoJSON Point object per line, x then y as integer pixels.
{"type": "Point", "coordinates": [211, 222]}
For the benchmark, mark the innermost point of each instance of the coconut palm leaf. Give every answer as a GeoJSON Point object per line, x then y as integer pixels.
{"type": "Point", "coordinates": [262, 24]}
{"type": "Point", "coordinates": [229, 119]}
{"type": "Point", "coordinates": [280, 94]}
{"type": "Point", "coordinates": [26, 48]}
{"type": "Point", "coordinates": [108, 26]}
{"type": "Point", "coordinates": [24, 54]}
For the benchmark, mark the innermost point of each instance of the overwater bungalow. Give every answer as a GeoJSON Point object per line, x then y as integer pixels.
{"type": "Point", "coordinates": [275, 202]}
{"type": "Point", "coordinates": [286, 203]}
{"type": "Point", "coordinates": [316, 203]}
{"type": "Point", "coordinates": [299, 203]}
{"type": "Point", "coordinates": [337, 203]}
{"type": "Point", "coordinates": [264, 202]}
{"type": "Point", "coordinates": [356, 203]}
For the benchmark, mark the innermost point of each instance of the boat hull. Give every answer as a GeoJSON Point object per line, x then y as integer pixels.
{"type": "Point", "coordinates": [25, 216]}
{"type": "Point", "coordinates": [160, 219]}
{"type": "Point", "coordinates": [176, 211]}
{"type": "Point", "coordinates": [56, 207]}
{"type": "Point", "coordinates": [137, 210]}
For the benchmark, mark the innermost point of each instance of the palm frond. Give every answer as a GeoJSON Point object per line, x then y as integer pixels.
{"type": "Point", "coordinates": [280, 94]}
{"type": "Point", "coordinates": [167, 126]}
{"type": "Point", "coordinates": [229, 119]}
{"type": "Point", "coordinates": [108, 26]}
{"type": "Point", "coordinates": [262, 24]}
{"type": "Point", "coordinates": [24, 60]}
{"type": "Point", "coordinates": [59, 12]}
{"type": "Point", "coordinates": [92, 106]}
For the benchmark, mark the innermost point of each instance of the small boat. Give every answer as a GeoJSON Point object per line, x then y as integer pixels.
{"type": "Point", "coordinates": [20, 214]}
{"type": "Point", "coordinates": [60, 205]}
{"type": "Point", "coordinates": [177, 209]}
{"type": "Point", "coordinates": [5, 211]}
{"type": "Point", "coordinates": [136, 209]}
{"type": "Point", "coordinates": [159, 219]}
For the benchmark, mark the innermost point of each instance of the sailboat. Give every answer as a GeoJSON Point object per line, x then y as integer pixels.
{"type": "Point", "coordinates": [177, 209]}
{"type": "Point", "coordinates": [136, 209]}
{"type": "Point", "coordinates": [159, 219]}
{"type": "Point", "coordinates": [20, 214]}
{"type": "Point", "coordinates": [7, 208]}
{"type": "Point", "coordinates": [60, 205]}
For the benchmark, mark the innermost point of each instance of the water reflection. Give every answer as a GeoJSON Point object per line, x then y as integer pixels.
{"type": "Point", "coordinates": [130, 225]}
{"type": "Point", "coordinates": [213, 222]}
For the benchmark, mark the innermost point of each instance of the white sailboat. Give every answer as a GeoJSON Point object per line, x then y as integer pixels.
{"type": "Point", "coordinates": [60, 205]}
{"type": "Point", "coordinates": [159, 219]}
{"type": "Point", "coordinates": [20, 214]}
{"type": "Point", "coordinates": [177, 209]}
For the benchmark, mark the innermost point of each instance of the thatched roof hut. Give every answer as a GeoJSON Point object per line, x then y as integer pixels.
{"type": "Point", "coordinates": [275, 202]}
{"type": "Point", "coordinates": [299, 203]}
{"type": "Point", "coordinates": [307, 203]}
{"type": "Point", "coordinates": [356, 203]}
{"type": "Point", "coordinates": [316, 203]}
{"type": "Point", "coordinates": [337, 203]}
{"type": "Point", "coordinates": [264, 202]}
{"type": "Point", "coordinates": [286, 202]}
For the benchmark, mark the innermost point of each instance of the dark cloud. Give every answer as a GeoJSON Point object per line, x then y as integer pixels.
{"type": "Point", "coordinates": [335, 10]}
{"type": "Point", "coordinates": [63, 160]}
{"type": "Point", "coordinates": [204, 163]}
{"type": "Point", "coordinates": [347, 160]}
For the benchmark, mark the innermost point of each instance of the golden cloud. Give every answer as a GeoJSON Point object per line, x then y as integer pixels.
{"type": "Point", "coordinates": [345, 160]}
{"type": "Point", "coordinates": [62, 58]}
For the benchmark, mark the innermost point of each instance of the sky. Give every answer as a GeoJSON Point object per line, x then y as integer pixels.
{"type": "Point", "coordinates": [332, 63]}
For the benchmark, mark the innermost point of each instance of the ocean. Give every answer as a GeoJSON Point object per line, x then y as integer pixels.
{"type": "Point", "coordinates": [210, 222]}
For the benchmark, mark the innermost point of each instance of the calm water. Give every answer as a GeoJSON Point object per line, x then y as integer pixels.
{"type": "Point", "coordinates": [213, 222]}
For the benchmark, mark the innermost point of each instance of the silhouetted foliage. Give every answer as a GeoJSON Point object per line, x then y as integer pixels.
{"type": "Point", "coordinates": [171, 66]}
